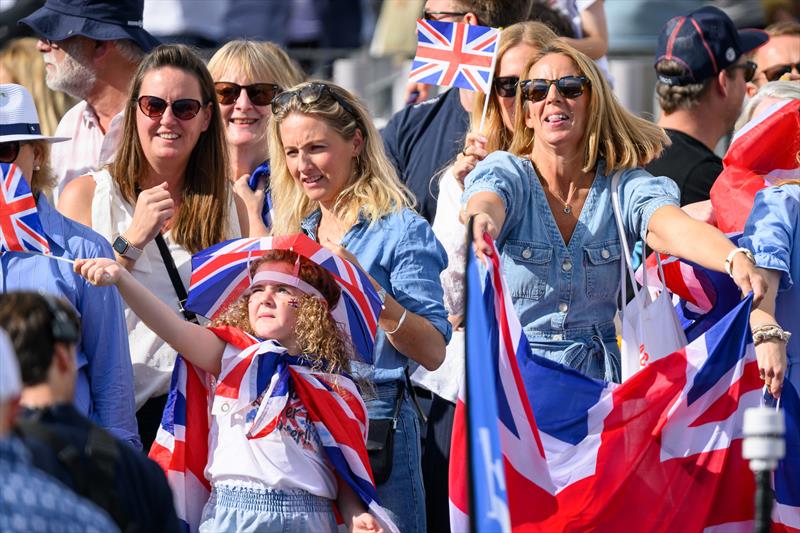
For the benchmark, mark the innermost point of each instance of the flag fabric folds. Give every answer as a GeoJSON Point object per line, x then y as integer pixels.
{"type": "Point", "coordinates": [20, 227]}
{"type": "Point", "coordinates": [505, 454]}
{"type": "Point", "coordinates": [762, 153]}
{"type": "Point", "coordinates": [252, 369]}
{"type": "Point", "coordinates": [455, 54]}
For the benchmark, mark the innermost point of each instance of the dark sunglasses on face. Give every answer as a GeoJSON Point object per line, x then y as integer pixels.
{"type": "Point", "coordinates": [506, 86]}
{"type": "Point", "coordinates": [775, 73]}
{"type": "Point", "coordinates": [9, 151]}
{"type": "Point", "coordinates": [310, 94]}
{"type": "Point", "coordinates": [569, 87]}
{"type": "Point", "coordinates": [749, 69]}
{"type": "Point", "coordinates": [440, 15]}
{"type": "Point", "coordinates": [258, 93]}
{"type": "Point", "coordinates": [183, 109]}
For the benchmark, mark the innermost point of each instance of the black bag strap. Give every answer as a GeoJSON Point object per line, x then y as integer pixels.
{"type": "Point", "coordinates": [175, 278]}
{"type": "Point", "coordinates": [414, 398]}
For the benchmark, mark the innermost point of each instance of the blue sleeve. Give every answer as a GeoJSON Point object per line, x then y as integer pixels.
{"type": "Point", "coordinates": [507, 176]}
{"type": "Point", "coordinates": [769, 231]}
{"type": "Point", "coordinates": [418, 261]}
{"type": "Point", "coordinates": [104, 339]}
{"type": "Point", "coordinates": [640, 195]}
{"type": "Point", "coordinates": [391, 144]}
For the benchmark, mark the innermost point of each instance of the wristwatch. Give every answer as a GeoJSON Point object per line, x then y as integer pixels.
{"type": "Point", "coordinates": [124, 248]}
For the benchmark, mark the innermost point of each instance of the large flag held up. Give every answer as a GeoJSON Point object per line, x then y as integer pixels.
{"type": "Point", "coordinates": [455, 54]}
{"type": "Point", "coordinates": [20, 227]}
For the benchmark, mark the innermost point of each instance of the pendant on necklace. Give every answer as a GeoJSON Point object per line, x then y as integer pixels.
{"type": "Point", "coordinates": [567, 209]}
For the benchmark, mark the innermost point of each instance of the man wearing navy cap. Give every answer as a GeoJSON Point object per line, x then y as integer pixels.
{"type": "Point", "coordinates": [702, 76]}
{"type": "Point", "coordinates": [91, 50]}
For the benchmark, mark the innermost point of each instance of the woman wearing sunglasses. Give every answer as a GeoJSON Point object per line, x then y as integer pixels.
{"type": "Point", "coordinates": [331, 179]}
{"type": "Point", "coordinates": [547, 203]}
{"type": "Point", "coordinates": [164, 197]}
{"type": "Point", "coordinates": [247, 76]}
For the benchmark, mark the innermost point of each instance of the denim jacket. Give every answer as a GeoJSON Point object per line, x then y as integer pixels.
{"type": "Point", "coordinates": [402, 254]}
{"type": "Point", "coordinates": [566, 293]}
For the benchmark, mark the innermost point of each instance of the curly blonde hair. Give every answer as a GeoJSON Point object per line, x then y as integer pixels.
{"type": "Point", "coordinates": [320, 338]}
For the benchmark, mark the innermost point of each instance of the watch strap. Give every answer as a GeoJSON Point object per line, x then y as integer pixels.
{"type": "Point", "coordinates": [130, 251]}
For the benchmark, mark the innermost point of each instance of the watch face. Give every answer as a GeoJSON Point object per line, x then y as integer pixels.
{"type": "Point", "coordinates": [120, 245]}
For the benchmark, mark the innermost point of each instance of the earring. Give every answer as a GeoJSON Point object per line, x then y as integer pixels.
{"type": "Point", "coordinates": [36, 168]}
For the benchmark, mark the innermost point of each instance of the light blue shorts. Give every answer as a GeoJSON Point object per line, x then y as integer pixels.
{"type": "Point", "coordinates": [245, 509]}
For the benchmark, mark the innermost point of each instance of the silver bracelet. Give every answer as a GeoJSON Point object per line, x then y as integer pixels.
{"type": "Point", "coordinates": [399, 323]}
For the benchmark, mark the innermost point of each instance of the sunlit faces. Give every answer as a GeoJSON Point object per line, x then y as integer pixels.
{"type": "Point", "coordinates": [245, 123]}
{"type": "Point", "coordinates": [557, 121]}
{"type": "Point", "coordinates": [68, 66]}
{"type": "Point", "coordinates": [511, 64]}
{"type": "Point", "coordinates": [778, 57]}
{"type": "Point", "coordinates": [272, 306]}
{"type": "Point", "coordinates": [168, 137]}
{"type": "Point", "coordinates": [318, 157]}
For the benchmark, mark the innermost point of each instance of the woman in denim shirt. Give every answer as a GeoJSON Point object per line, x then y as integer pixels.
{"type": "Point", "coordinates": [547, 203]}
{"type": "Point", "coordinates": [331, 178]}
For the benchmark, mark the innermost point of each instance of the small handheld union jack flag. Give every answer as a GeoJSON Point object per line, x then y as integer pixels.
{"type": "Point", "coordinates": [20, 227]}
{"type": "Point", "coordinates": [455, 54]}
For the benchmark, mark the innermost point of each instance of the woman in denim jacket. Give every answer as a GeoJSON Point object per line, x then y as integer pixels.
{"type": "Point", "coordinates": [547, 203]}
{"type": "Point", "coordinates": [330, 178]}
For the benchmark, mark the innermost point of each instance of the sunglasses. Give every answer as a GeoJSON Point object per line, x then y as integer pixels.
{"type": "Point", "coordinates": [432, 15]}
{"type": "Point", "coordinates": [9, 151]}
{"type": "Point", "coordinates": [310, 94]}
{"type": "Point", "coordinates": [569, 87]}
{"type": "Point", "coordinates": [183, 109]}
{"type": "Point", "coordinates": [775, 73]}
{"type": "Point", "coordinates": [258, 93]}
{"type": "Point", "coordinates": [749, 69]}
{"type": "Point", "coordinates": [506, 86]}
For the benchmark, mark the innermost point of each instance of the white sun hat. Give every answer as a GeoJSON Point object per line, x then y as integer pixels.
{"type": "Point", "coordinates": [19, 120]}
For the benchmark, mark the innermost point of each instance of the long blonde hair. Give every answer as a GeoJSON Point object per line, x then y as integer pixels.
{"type": "Point", "coordinates": [373, 191]}
{"type": "Point", "coordinates": [612, 133]}
{"type": "Point", "coordinates": [259, 61]}
{"type": "Point", "coordinates": [23, 62]}
{"type": "Point", "coordinates": [203, 214]}
{"type": "Point", "coordinates": [531, 33]}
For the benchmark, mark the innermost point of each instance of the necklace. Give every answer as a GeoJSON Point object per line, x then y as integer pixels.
{"type": "Point", "coordinates": [567, 209]}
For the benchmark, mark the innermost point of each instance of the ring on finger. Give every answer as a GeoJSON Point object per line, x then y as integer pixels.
{"type": "Point", "coordinates": [464, 151]}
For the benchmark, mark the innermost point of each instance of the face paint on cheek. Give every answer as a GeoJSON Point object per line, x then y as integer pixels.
{"type": "Point", "coordinates": [293, 302]}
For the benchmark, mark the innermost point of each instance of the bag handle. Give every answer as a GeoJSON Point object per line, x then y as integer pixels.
{"type": "Point", "coordinates": [175, 278]}
{"type": "Point", "coordinates": [626, 262]}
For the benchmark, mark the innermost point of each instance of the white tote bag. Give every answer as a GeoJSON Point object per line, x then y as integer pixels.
{"type": "Point", "coordinates": [650, 326]}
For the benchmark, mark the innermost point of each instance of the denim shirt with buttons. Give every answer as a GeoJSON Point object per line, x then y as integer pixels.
{"type": "Point", "coordinates": [566, 293]}
{"type": "Point", "coordinates": [402, 254]}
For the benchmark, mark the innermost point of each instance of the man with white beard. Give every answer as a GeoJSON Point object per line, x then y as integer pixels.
{"type": "Point", "coordinates": [91, 50]}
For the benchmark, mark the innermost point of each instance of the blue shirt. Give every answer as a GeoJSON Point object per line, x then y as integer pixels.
{"type": "Point", "coordinates": [401, 253]}
{"type": "Point", "coordinates": [104, 391]}
{"type": "Point", "coordinates": [422, 140]}
{"type": "Point", "coordinates": [772, 233]}
{"type": "Point", "coordinates": [32, 501]}
{"type": "Point", "coordinates": [566, 293]}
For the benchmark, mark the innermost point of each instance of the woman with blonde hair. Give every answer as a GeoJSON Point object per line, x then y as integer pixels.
{"type": "Point", "coordinates": [331, 178]}
{"type": "Point", "coordinates": [547, 203]}
{"type": "Point", "coordinates": [22, 63]}
{"type": "Point", "coordinates": [247, 75]}
{"type": "Point", "coordinates": [164, 197]}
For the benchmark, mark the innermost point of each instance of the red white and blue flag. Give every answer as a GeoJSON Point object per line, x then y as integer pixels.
{"type": "Point", "coordinates": [252, 370]}
{"type": "Point", "coordinates": [220, 275]}
{"type": "Point", "coordinates": [20, 227]}
{"type": "Point", "coordinates": [503, 463]}
{"type": "Point", "coordinates": [455, 54]}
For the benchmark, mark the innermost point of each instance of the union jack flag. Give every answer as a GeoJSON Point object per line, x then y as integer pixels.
{"type": "Point", "coordinates": [220, 275]}
{"type": "Point", "coordinates": [455, 54]}
{"type": "Point", "coordinates": [252, 370]}
{"type": "Point", "coordinates": [20, 227]}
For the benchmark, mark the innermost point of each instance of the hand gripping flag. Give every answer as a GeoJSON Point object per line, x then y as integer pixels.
{"type": "Point", "coordinates": [20, 227]}
{"type": "Point", "coordinates": [250, 371]}
{"type": "Point", "coordinates": [455, 54]}
{"type": "Point", "coordinates": [764, 152]}
{"type": "Point", "coordinates": [496, 451]}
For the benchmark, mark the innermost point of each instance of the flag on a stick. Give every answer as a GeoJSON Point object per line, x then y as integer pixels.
{"type": "Point", "coordinates": [20, 227]}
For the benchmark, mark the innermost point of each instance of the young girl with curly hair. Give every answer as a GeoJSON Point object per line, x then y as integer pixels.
{"type": "Point", "coordinates": [268, 461]}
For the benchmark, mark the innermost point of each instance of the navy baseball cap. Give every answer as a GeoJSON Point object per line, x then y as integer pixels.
{"type": "Point", "coordinates": [101, 20]}
{"type": "Point", "coordinates": [705, 42]}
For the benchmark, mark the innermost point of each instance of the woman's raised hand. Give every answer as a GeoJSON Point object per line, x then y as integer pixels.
{"type": "Point", "coordinates": [101, 271]}
{"type": "Point", "coordinates": [482, 224]}
{"type": "Point", "coordinates": [253, 200]}
{"type": "Point", "coordinates": [474, 151]}
{"type": "Point", "coordinates": [154, 208]}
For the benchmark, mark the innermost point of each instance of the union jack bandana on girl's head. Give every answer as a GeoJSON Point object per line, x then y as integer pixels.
{"type": "Point", "coordinates": [286, 279]}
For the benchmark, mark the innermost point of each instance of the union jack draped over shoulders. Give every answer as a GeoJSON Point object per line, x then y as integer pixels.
{"type": "Point", "coordinates": [455, 54]}
{"type": "Point", "coordinates": [20, 227]}
{"type": "Point", "coordinates": [252, 369]}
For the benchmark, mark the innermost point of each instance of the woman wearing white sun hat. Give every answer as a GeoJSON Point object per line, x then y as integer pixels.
{"type": "Point", "coordinates": [104, 390]}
